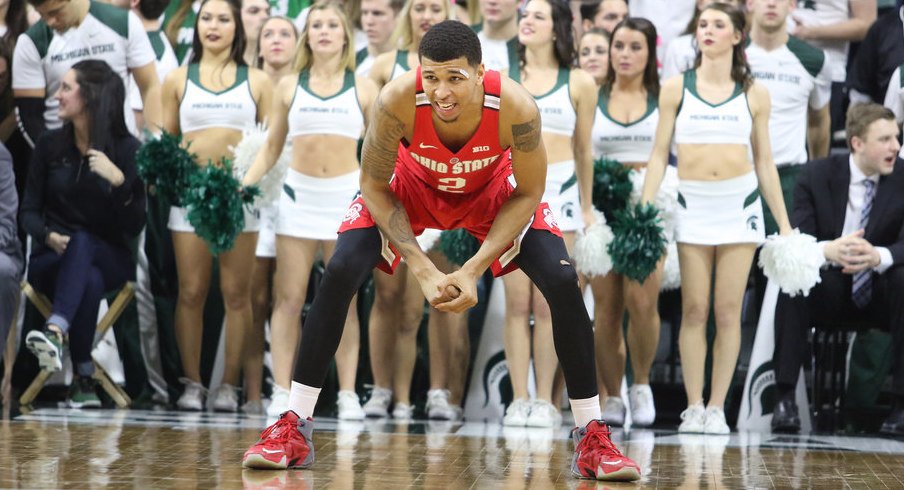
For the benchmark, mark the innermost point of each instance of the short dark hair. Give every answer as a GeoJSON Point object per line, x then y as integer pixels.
{"type": "Point", "coordinates": [450, 40]}
{"type": "Point", "coordinates": [152, 9]}
{"type": "Point", "coordinates": [861, 116]}
{"type": "Point", "coordinates": [590, 9]}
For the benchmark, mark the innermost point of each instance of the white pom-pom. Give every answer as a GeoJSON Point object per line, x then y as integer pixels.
{"type": "Point", "coordinates": [671, 270]}
{"type": "Point", "coordinates": [253, 139]}
{"type": "Point", "coordinates": [793, 262]}
{"type": "Point", "coordinates": [427, 240]}
{"type": "Point", "coordinates": [591, 248]}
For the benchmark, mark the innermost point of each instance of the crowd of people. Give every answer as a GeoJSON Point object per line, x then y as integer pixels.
{"type": "Point", "coordinates": [731, 98]}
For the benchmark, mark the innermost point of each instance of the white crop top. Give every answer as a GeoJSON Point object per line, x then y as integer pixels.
{"type": "Point", "coordinates": [625, 143]}
{"type": "Point", "coordinates": [233, 108]}
{"type": "Point", "coordinates": [557, 113]}
{"type": "Point", "coordinates": [339, 114]}
{"type": "Point", "coordinates": [700, 122]}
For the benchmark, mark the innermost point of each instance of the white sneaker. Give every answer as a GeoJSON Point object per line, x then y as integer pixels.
{"type": "Point", "coordinates": [715, 422]}
{"type": "Point", "coordinates": [192, 398]}
{"type": "Point", "coordinates": [253, 407]}
{"type": "Point", "coordinates": [402, 411]}
{"type": "Point", "coordinates": [349, 406]}
{"type": "Point", "coordinates": [279, 402]}
{"type": "Point", "coordinates": [378, 405]}
{"type": "Point", "coordinates": [643, 411]}
{"type": "Point", "coordinates": [693, 419]}
{"type": "Point", "coordinates": [517, 413]}
{"type": "Point", "coordinates": [438, 407]}
{"type": "Point", "coordinates": [543, 414]}
{"type": "Point", "coordinates": [226, 398]}
{"type": "Point", "coordinates": [614, 411]}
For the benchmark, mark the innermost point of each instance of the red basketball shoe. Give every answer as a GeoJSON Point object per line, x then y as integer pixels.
{"type": "Point", "coordinates": [286, 444]}
{"type": "Point", "coordinates": [595, 456]}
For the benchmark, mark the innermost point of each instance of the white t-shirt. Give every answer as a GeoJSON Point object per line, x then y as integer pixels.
{"type": "Point", "coordinates": [166, 62]}
{"type": "Point", "coordinates": [43, 56]}
{"type": "Point", "coordinates": [894, 98]}
{"type": "Point", "coordinates": [669, 16]}
{"type": "Point", "coordinates": [820, 13]}
{"type": "Point", "coordinates": [497, 53]}
{"type": "Point", "coordinates": [680, 56]}
{"type": "Point", "coordinates": [797, 77]}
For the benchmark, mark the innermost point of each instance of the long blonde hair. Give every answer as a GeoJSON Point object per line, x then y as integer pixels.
{"type": "Point", "coordinates": [403, 35]}
{"type": "Point", "coordinates": [304, 58]}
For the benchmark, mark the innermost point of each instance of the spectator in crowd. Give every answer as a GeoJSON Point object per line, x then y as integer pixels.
{"type": "Point", "coordinates": [322, 179]}
{"type": "Point", "coordinates": [852, 204]}
{"type": "Point", "coordinates": [254, 13]}
{"type": "Point", "coordinates": [417, 17]}
{"type": "Point", "coordinates": [546, 59]}
{"type": "Point", "coordinates": [669, 16]}
{"type": "Point", "coordinates": [498, 32]}
{"type": "Point", "coordinates": [13, 20]}
{"type": "Point", "coordinates": [879, 54]}
{"type": "Point", "coordinates": [798, 77]}
{"type": "Point", "coordinates": [593, 53]}
{"type": "Point", "coordinates": [605, 14]}
{"type": "Point", "coordinates": [149, 12]}
{"type": "Point", "coordinates": [378, 20]}
{"type": "Point", "coordinates": [11, 264]}
{"type": "Point", "coordinates": [194, 101]}
{"type": "Point", "coordinates": [398, 307]}
{"type": "Point", "coordinates": [718, 116]}
{"type": "Point", "coordinates": [179, 26]}
{"type": "Point", "coordinates": [624, 129]}
{"type": "Point", "coordinates": [682, 51]}
{"type": "Point", "coordinates": [69, 31]}
{"type": "Point", "coordinates": [83, 207]}
{"type": "Point", "coordinates": [276, 49]}
{"type": "Point", "coordinates": [831, 25]}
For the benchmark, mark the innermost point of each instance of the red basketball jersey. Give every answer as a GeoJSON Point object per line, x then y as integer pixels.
{"type": "Point", "coordinates": [473, 166]}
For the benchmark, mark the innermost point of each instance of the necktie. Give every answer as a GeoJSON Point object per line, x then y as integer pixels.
{"type": "Point", "coordinates": [862, 288]}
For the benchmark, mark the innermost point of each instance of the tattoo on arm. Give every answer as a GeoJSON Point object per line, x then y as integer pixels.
{"type": "Point", "coordinates": [526, 136]}
{"type": "Point", "coordinates": [381, 144]}
{"type": "Point", "coordinates": [399, 225]}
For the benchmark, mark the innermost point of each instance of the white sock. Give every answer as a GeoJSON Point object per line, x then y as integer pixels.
{"type": "Point", "coordinates": [585, 410]}
{"type": "Point", "coordinates": [302, 399]}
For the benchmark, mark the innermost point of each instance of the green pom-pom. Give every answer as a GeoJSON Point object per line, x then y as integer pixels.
{"type": "Point", "coordinates": [611, 186]}
{"type": "Point", "coordinates": [166, 167]}
{"type": "Point", "coordinates": [458, 245]}
{"type": "Point", "coordinates": [639, 241]}
{"type": "Point", "coordinates": [215, 204]}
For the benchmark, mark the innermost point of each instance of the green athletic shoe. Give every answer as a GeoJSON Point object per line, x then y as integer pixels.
{"type": "Point", "coordinates": [83, 393]}
{"type": "Point", "coordinates": [47, 346]}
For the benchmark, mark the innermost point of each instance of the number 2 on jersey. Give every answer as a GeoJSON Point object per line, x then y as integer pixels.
{"type": "Point", "coordinates": [452, 184]}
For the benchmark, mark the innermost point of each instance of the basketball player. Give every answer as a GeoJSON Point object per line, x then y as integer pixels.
{"type": "Point", "coordinates": [476, 135]}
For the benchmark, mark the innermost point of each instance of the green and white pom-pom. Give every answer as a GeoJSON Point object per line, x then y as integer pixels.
{"type": "Point", "coordinates": [165, 166]}
{"type": "Point", "coordinates": [671, 270]}
{"type": "Point", "coordinates": [793, 262]}
{"type": "Point", "coordinates": [253, 139]}
{"type": "Point", "coordinates": [591, 248]}
{"type": "Point", "coordinates": [215, 205]}
{"type": "Point", "coordinates": [666, 197]}
{"type": "Point", "coordinates": [639, 241]}
{"type": "Point", "coordinates": [611, 186]}
{"type": "Point", "coordinates": [458, 245]}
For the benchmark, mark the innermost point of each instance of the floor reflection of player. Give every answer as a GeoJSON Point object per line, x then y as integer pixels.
{"type": "Point", "coordinates": [494, 128]}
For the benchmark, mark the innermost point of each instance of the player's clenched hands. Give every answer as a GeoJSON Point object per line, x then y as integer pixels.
{"type": "Point", "coordinates": [459, 289]}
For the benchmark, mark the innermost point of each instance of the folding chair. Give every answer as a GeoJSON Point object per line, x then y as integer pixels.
{"type": "Point", "coordinates": [117, 306]}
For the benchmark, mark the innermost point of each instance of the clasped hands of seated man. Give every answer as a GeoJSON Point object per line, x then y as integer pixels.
{"type": "Point", "coordinates": [852, 252]}
{"type": "Point", "coordinates": [101, 165]}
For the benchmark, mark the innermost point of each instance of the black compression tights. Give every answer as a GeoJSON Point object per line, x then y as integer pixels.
{"type": "Point", "coordinates": [543, 258]}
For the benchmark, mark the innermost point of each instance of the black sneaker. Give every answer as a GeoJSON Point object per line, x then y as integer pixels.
{"type": "Point", "coordinates": [83, 393]}
{"type": "Point", "coordinates": [47, 346]}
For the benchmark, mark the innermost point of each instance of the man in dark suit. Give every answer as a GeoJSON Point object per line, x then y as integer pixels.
{"type": "Point", "coordinates": [854, 205]}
